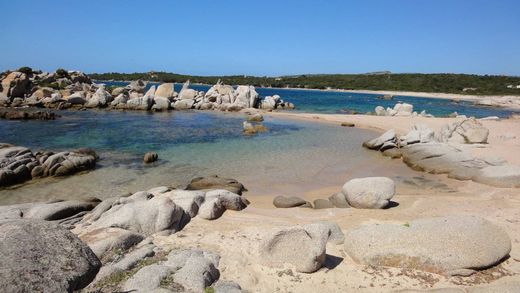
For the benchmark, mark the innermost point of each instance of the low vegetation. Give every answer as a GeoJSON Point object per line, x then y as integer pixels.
{"type": "Point", "coordinates": [446, 83]}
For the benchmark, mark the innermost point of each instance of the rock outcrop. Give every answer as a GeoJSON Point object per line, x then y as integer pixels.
{"type": "Point", "coordinates": [439, 245]}
{"type": "Point", "coordinates": [38, 256]}
{"type": "Point", "coordinates": [422, 150]}
{"type": "Point", "coordinates": [73, 89]}
{"type": "Point", "coordinates": [19, 164]}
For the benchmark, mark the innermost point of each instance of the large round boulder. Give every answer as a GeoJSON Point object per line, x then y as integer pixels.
{"type": "Point", "coordinates": [39, 256]}
{"type": "Point", "coordinates": [439, 245]}
{"type": "Point", "coordinates": [369, 193]}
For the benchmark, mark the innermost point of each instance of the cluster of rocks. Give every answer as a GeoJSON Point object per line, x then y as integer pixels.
{"type": "Point", "coordinates": [66, 89]}
{"type": "Point", "coordinates": [19, 164]}
{"type": "Point", "coordinates": [445, 153]}
{"type": "Point", "coordinates": [118, 233]}
{"type": "Point", "coordinates": [361, 193]}
{"type": "Point", "coordinates": [400, 109]}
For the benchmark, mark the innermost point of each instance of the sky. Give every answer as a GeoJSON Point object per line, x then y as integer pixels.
{"type": "Point", "coordinates": [260, 38]}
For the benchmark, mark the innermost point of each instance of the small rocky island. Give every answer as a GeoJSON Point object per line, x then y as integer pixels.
{"type": "Point", "coordinates": [73, 89]}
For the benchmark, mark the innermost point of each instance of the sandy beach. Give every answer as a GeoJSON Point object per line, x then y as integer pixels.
{"type": "Point", "coordinates": [435, 196]}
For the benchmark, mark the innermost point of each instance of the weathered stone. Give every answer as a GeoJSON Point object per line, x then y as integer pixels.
{"type": "Point", "coordinates": [38, 256]}
{"type": "Point", "coordinates": [215, 182]}
{"type": "Point", "coordinates": [147, 215]}
{"type": "Point", "coordinates": [376, 143]}
{"type": "Point", "coordinates": [369, 193]}
{"type": "Point", "coordinates": [105, 240]}
{"type": "Point", "coordinates": [438, 245]}
{"type": "Point", "coordinates": [301, 247]}
{"type": "Point", "coordinates": [165, 90]}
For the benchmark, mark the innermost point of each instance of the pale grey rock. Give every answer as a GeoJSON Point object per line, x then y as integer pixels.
{"type": "Point", "coordinates": [119, 99]}
{"type": "Point", "coordinates": [58, 210]}
{"type": "Point", "coordinates": [369, 193]}
{"type": "Point", "coordinates": [228, 199]}
{"type": "Point", "coordinates": [189, 201]}
{"type": "Point", "coordinates": [105, 240]}
{"type": "Point", "coordinates": [128, 261]}
{"type": "Point", "coordinates": [161, 104]}
{"type": "Point", "coordinates": [222, 286]}
{"type": "Point", "coordinates": [335, 235]}
{"type": "Point", "coordinates": [77, 98]}
{"type": "Point", "coordinates": [165, 90]}
{"type": "Point", "coordinates": [466, 131]}
{"type": "Point", "coordinates": [403, 109]}
{"type": "Point", "coordinates": [137, 86]}
{"type": "Point", "coordinates": [419, 134]}
{"type": "Point", "coordinates": [301, 247]}
{"type": "Point", "coordinates": [438, 245]}
{"type": "Point", "coordinates": [499, 176]}
{"type": "Point", "coordinates": [211, 209]}
{"type": "Point", "coordinates": [183, 104]}
{"type": "Point", "coordinates": [147, 278]}
{"type": "Point", "coordinates": [376, 143]}
{"type": "Point", "coordinates": [51, 259]}
{"type": "Point", "coordinates": [99, 99]}
{"type": "Point", "coordinates": [194, 269]}
{"type": "Point", "coordinates": [246, 96]}
{"type": "Point", "coordinates": [380, 111]}
{"type": "Point", "coordinates": [145, 216]}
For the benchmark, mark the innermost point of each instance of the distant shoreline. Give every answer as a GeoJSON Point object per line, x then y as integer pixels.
{"type": "Point", "coordinates": [498, 100]}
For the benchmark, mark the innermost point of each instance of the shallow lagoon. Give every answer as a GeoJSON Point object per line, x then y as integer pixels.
{"type": "Point", "coordinates": [293, 157]}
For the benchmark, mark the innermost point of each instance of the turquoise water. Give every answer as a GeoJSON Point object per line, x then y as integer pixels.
{"type": "Point", "coordinates": [292, 158]}
{"type": "Point", "coordinates": [342, 102]}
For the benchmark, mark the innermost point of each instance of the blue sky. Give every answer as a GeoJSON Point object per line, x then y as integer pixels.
{"type": "Point", "coordinates": [263, 37]}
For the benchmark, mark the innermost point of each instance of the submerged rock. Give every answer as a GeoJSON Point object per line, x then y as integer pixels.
{"type": "Point", "coordinates": [150, 157]}
{"type": "Point", "coordinates": [24, 115]}
{"type": "Point", "coordinates": [215, 182]}
{"type": "Point", "coordinates": [51, 259]}
{"type": "Point", "coordinates": [438, 245]}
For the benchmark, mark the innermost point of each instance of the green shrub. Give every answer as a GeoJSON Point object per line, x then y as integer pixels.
{"type": "Point", "coordinates": [62, 72]}
{"type": "Point", "coordinates": [27, 70]}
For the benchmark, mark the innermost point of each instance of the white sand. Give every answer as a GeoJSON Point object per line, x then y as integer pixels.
{"type": "Point", "coordinates": [236, 235]}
